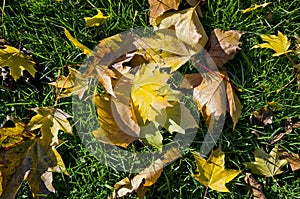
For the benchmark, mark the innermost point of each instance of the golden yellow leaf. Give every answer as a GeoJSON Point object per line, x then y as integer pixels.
{"type": "Point", "coordinates": [279, 44]}
{"type": "Point", "coordinates": [111, 131]}
{"type": "Point", "coordinates": [145, 91]}
{"type": "Point", "coordinates": [158, 7]}
{"type": "Point", "coordinates": [255, 7]}
{"type": "Point", "coordinates": [265, 164]}
{"type": "Point", "coordinates": [187, 26]}
{"type": "Point", "coordinates": [211, 172]}
{"type": "Point", "coordinates": [50, 121]}
{"type": "Point", "coordinates": [73, 84]}
{"type": "Point", "coordinates": [85, 50]}
{"type": "Point", "coordinates": [12, 136]}
{"type": "Point", "coordinates": [96, 20]}
{"type": "Point", "coordinates": [17, 62]}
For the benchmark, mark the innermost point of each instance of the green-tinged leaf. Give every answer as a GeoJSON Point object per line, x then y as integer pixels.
{"type": "Point", "coordinates": [17, 62]}
{"type": "Point", "coordinates": [96, 20]}
{"type": "Point", "coordinates": [279, 44]}
{"type": "Point", "coordinates": [211, 172]}
{"type": "Point", "coordinates": [85, 50]}
{"type": "Point", "coordinates": [265, 164]}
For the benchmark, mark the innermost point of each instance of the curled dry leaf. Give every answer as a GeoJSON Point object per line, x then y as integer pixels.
{"type": "Point", "coordinates": [187, 26]}
{"type": "Point", "coordinates": [292, 158]}
{"type": "Point", "coordinates": [223, 45]}
{"type": "Point", "coordinates": [254, 186]}
{"type": "Point", "coordinates": [158, 7]}
{"type": "Point", "coordinates": [265, 164]}
{"type": "Point", "coordinates": [17, 62]}
{"type": "Point", "coordinates": [280, 43]}
{"type": "Point", "coordinates": [255, 7]}
{"type": "Point", "coordinates": [212, 173]}
{"type": "Point", "coordinates": [146, 178]}
{"type": "Point", "coordinates": [96, 20]}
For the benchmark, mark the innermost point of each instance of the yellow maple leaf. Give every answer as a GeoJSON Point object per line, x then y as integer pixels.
{"type": "Point", "coordinates": [50, 121]}
{"type": "Point", "coordinates": [211, 172]}
{"type": "Point", "coordinates": [266, 164]}
{"type": "Point", "coordinates": [279, 43]}
{"type": "Point", "coordinates": [85, 50]}
{"type": "Point", "coordinates": [96, 20]}
{"type": "Point", "coordinates": [255, 7]}
{"type": "Point", "coordinates": [17, 62]}
{"type": "Point", "coordinates": [145, 91]}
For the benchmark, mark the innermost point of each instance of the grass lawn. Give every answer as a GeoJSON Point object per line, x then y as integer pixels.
{"type": "Point", "coordinates": [38, 26]}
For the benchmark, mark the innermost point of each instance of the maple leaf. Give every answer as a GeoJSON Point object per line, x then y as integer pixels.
{"type": "Point", "coordinates": [223, 45]}
{"type": "Point", "coordinates": [50, 121]}
{"type": "Point", "coordinates": [266, 164]}
{"type": "Point", "coordinates": [96, 20]}
{"type": "Point", "coordinates": [255, 7]}
{"type": "Point", "coordinates": [254, 186]}
{"type": "Point", "coordinates": [187, 25]}
{"type": "Point", "coordinates": [146, 178]}
{"type": "Point", "coordinates": [34, 161]}
{"type": "Point", "coordinates": [158, 7]}
{"type": "Point", "coordinates": [73, 84]}
{"type": "Point", "coordinates": [279, 44]}
{"type": "Point", "coordinates": [113, 130]}
{"type": "Point", "coordinates": [211, 172]}
{"type": "Point", "coordinates": [145, 91]}
{"type": "Point", "coordinates": [17, 62]}
{"type": "Point", "coordinates": [12, 136]}
{"type": "Point", "coordinates": [85, 50]}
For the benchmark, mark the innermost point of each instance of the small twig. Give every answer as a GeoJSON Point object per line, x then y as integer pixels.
{"type": "Point", "coordinates": [91, 4]}
{"type": "Point", "coordinates": [206, 190]}
{"type": "Point", "coordinates": [3, 6]}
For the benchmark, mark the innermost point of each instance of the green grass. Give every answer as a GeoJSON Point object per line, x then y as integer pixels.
{"type": "Point", "coordinates": [38, 25]}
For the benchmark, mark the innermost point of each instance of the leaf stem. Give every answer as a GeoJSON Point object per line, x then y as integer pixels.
{"type": "Point", "coordinates": [3, 6]}
{"type": "Point", "coordinates": [205, 193]}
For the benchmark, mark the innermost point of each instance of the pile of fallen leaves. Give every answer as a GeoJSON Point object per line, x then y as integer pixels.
{"type": "Point", "coordinates": [135, 72]}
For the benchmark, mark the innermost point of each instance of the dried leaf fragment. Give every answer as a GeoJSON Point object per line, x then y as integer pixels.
{"type": "Point", "coordinates": [211, 172]}
{"type": "Point", "coordinates": [254, 186]}
{"type": "Point", "coordinates": [96, 20]}
{"type": "Point", "coordinates": [17, 62]}
{"type": "Point", "coordinates": [292, 158]}
{"type": "Point", "coordinates": [255, 7]}
{"type": "Point", "coordinates": [265, 164]}
{"type": "Point", "coordinates": [280, 43]}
